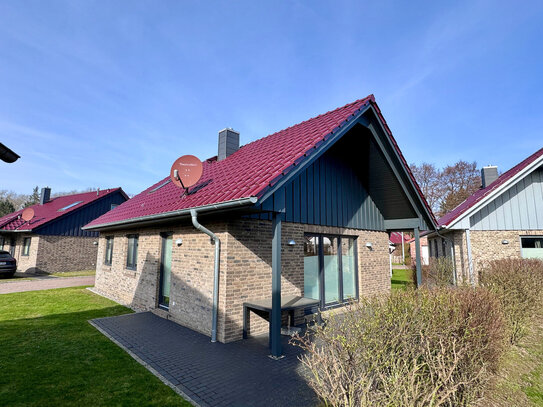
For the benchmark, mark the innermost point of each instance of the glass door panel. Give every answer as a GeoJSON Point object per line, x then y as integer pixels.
{"type": "Point", "coordinates": [311, 267]}
{"type": "Point", "coordinates": [348, 267]}
{"type": "Point", "coordinates": [331, 269]}
{"type": "Point", "coordinates": [165, 271]}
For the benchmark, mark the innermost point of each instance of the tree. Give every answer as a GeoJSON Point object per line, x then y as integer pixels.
{"type": "Point", "coordinates": [33, 198]}
{"type": "Point", "coordinates": [6, 207]}
{"type": "Point", "coordinates": [428, 178]}
{"type": "Point", "coordinates": [459, 181]}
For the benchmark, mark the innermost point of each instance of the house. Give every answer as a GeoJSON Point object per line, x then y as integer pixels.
{"type": "Point", "coordinates": [304, 212]}
{"type": "Point", "coordinates": [399, 242]}
{"type": "Point", "coordinates": [502, 219]}
{"type": "Point", "coordinates": [51, 239]}
{"type": "Point", "coordinates": [424, 251]}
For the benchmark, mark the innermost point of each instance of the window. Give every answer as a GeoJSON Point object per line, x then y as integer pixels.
{"type": "Point", "coordinates": [113, 206]}
{"type": "Point", "coordinates": [132, 252]}
{"type": "Point", "coordinates": [330, 268]}
{"type": "Point", "coordinates": [1, 243]}
{"type": "Point", "coordinates": [109, 250]}
{"type": "Point", "coordinates": [532, 247]}
{"type": "Point", "coordinates": [436, 248]}
{"type": "Point", "coordinates": [69, 206]}
{"type": "Point", "coordinates": [443, 247]}
{"type": "Point", "coordinates": [26, 246]}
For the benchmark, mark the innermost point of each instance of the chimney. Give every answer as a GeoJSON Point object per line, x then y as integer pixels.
{"type": "Point", "coordinates": [489, 174]}
{"type": "Point", "coordinates": [228, 143]}
{"type": "Point", "coordinates": [45, 195]}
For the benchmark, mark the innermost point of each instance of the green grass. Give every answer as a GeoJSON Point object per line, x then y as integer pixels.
{"type": "Point", "coordinates": [51, 356]}
{"type": "Point", "coordinates": [81, 273]}
{"type": "Point", "coordinates": [401, 279]}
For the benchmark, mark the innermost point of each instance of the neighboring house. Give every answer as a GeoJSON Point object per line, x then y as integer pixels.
{"type": "Point", "coordinates": [52, 241]}
{"type": "Point", "coordinates": [399, 242]}
{"type": "Point", "coordinates": [424, 251]}
{"type": "Point", "coordinates": [306, 211]}
{"type": "Point", "coordinates": [503, 219]}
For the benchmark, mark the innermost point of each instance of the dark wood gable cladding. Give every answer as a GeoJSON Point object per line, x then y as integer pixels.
{"type": "Point", "coordinates": [351, 185]}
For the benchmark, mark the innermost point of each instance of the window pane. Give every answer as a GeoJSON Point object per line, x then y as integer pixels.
{"type": "Point", "coordinates": [331, 269]}
{"type": "Point", "coordinates": [311, 267]}
{"type": "Point", "coordinates": [166, 270]}
{"type": "Point", "coordinates": [348, 267]}
{"type": "Point", "coordinates": [532, 247]}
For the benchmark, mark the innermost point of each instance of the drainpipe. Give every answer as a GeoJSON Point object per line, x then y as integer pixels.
{"type": "Point", "coordinates": [217, 241]}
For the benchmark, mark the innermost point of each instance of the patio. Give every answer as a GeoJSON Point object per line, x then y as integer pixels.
{"type": "Point", "coordinates": [211, 374]}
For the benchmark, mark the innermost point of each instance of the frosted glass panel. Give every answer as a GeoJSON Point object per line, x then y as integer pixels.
{"type": "Point", "coordinates": [166, 269]}
{"type": "Point", "coordinates": [532, 253]}
{"type": "Point", "coordinates": [348, 267]}
{"type": "Point", "coordinates": [532, 247]}
{"type": "Point", "coordinates": [331, 269]}
{"type": "Point", "coordinates": [311, 267]}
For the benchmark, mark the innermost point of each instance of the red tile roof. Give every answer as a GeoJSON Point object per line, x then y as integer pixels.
{"type": "Point", "coordinates": [484, 192]}
{"type": "Point", "coordinates": [396, 238]}
{"type": "Point", "coordinates": [249, 172]}
{"type": "Point", "coordinates": [50, 210]}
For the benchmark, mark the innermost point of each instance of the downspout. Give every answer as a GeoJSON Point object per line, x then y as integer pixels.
{"type": "Point", "coordinates": [452, 254]}
{"type": "Point", "coordinates": [217, 241]}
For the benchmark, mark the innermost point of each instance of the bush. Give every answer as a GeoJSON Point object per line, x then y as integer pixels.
{"type": "Point", "coordinates": [413, 348]}
{"type": "Point", "coordinates": [438, 273]}
{"type": "Point", "coordinates": [518, 285]}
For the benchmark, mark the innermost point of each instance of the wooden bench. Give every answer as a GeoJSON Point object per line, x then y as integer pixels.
{"type": "Point", "coordinates": [289, 303]}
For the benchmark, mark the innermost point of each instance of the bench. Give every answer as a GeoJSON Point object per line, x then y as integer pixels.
{"type": "Point", "coordinates": [289, 303]}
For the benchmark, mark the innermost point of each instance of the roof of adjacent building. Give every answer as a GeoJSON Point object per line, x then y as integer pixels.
{"type": "Point", "coordinates": [483, 193]}
{"type": "Point", "coordinates": [249, 172]}
{"type": "Point", "coordinates": [396, 237]}
{"type": "Point", "coordinates": [52, 210]}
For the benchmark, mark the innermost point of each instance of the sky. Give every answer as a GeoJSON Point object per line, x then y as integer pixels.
{"type": "Point", "coordinates": [110, 93]}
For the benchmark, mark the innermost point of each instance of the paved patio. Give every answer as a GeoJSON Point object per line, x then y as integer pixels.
{"type": "Point", "coordinates": [211, 374]}
{"type": "Point", "coordinates": [43, 283]}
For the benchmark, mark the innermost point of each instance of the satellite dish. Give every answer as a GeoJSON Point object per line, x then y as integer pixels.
{"type": "Point", "coordinates": [27, 214]}
{"type": "Point", "coordinates": [186, 171]}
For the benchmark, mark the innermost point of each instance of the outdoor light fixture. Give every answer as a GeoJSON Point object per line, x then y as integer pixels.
{"type": "Point", "coordinates": [179, 242]}
{"type": "Point", "coordinates": [505, 241]}
{"type": "Point", "coordinates": [291, 242]}
{"type": "Point", "coordinates": [95, 243]}
{"type": "Point", "coordinates": [369, 245]}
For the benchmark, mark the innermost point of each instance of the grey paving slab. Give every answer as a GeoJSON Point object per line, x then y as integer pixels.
{"type": "Point", "coordinates": [212, 374]}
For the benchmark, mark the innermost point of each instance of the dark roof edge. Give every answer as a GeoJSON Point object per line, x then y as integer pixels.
{"type": "Point", "coordinates": [173, 214]}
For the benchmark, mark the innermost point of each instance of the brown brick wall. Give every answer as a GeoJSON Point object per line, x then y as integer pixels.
{"type": "Point", "coordinates": [57, 254]}
{"type": "Point", "coordinates": [245, 271]}
{"type": "Point", "coordinates": [24, 263]}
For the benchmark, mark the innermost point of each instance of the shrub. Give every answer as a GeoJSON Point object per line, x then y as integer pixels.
{"type": "Point", "coordinates": [413, 348]}
{"type": "Point", "coordinates": [518, 285]}
{"type": "Point", "coordinates": [438, 272]}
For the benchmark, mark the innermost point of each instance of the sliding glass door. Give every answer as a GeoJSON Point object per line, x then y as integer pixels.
{"type": "Point", "coordinates": [330, 268]}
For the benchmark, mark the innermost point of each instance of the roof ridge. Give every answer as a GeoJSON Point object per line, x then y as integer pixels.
{"type": "Point", "coordinates": [368, 98]}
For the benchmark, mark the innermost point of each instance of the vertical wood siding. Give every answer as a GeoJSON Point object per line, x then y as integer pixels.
{"type": "Point", "coordinates": [518, 208]}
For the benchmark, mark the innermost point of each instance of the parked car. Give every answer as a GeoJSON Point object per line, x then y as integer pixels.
{"type": "Point", "coordinates": [8, 265]}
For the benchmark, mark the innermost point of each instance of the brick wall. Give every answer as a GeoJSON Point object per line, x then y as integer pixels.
{"type": "Point", "coordinates": [245, 271]}
{"type": "Point", "coordinates": [24, 263]}
{"type": "Point", "coordinates": [58, 254]}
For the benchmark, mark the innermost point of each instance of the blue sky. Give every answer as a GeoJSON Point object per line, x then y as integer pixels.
{"type": "Point", "coordinates": [106, 94]}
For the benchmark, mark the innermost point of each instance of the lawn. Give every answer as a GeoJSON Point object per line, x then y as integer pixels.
{"type": "Point", "coordinates": [401, 279]}
{"type": "Point", "coordinates": [51, 355]}
{"type": "Point", "coordinates": [81, 273]}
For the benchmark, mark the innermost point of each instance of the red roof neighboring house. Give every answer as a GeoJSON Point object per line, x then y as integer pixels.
{"type": "Point", "coordinates": [249, 172]}
{"type": "Point", "coordinates": [51, 210]}
{"type": "Point", "coordinates": [396, 238]}
{"type": "Point", "coordinates": [481, 194]}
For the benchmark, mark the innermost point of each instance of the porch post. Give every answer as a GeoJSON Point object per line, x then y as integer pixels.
{"type": "Point", "coordinates": [275, 318]}
{"type": "Point", "coordinates": [417, 255]}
